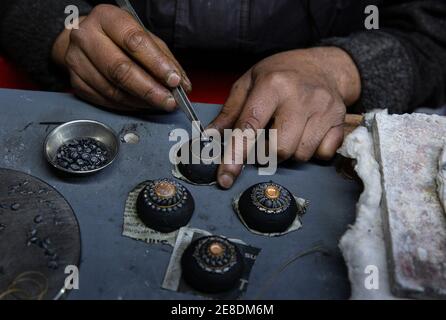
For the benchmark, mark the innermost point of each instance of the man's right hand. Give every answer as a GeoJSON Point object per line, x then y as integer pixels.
{"type": "Point", "coordinates": [114, 62]}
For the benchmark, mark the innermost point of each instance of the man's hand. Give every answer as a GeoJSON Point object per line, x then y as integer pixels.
{"type": "Point", "coordinates": [115, 63]}
{"type": "Point", "coordinates": [304, 93]}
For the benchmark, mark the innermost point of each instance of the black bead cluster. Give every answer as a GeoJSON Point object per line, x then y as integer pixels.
{"type": "Point", "coordinates": [165, 204]}
{"type": "Point", "coordinates": [82, 155]}
{"type": "Point", "coordinates": [268, 204]}
{"type": "Point", "coordinates": [215, 263]}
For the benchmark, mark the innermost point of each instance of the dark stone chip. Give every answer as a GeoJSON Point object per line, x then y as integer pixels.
{"type": "Point", "coordinates": [75, 167]}
{"type": "Point", "coordinates": [82, 155]}
{"type": "Point", "coordinates": [38, 219]}
{"type": "Point", "coordinates": [49, 252]}
{"type": "Point", "coordinates": [53, 265]}
{"type": "Point", "coordinates": [33, 239]}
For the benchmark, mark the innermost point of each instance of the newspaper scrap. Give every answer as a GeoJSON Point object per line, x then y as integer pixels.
{"type": "Point", "coordinates": [174, 282]}
{"type": "Point", "coordinates": [296, 225]}
{"type": "Point", "coordinates": [134, 228]}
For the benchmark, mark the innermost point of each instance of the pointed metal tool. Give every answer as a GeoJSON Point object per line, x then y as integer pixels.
{"type": "Point", "coordinates": [185, 105]}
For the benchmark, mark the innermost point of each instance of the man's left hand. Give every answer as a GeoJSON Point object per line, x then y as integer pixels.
{"type": "Point", "coordinates": [304, 93]}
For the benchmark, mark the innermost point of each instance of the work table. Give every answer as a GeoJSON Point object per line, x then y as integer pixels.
{"type": "Point", "coordinates": [116, 267]}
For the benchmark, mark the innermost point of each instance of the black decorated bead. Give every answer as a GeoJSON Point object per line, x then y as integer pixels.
{"type": "Point", "coordinates": [201, 172]}
{"type": "Point", "coordinates": [268, 207]}
{"type": "Point", "coordinates": [212, 264]}
{"type": "Point", "coordinates": [165, 205]}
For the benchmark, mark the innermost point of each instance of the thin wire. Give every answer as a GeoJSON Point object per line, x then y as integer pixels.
{"type": "Point", "coordinates": [23, 277]}
{"type": "Point", "coordinates": [315, 249]}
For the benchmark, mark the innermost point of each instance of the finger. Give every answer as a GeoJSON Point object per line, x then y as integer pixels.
{"type": "Point", "coordinates": [127, 75]}
{"type": "Point", "coordinates": [83, 68]}
{"type": "Point", "coordinates": [260, 105]}
{"type": "Point", "coordinates": [331, 143]}
{"type": "Point", "coordinates": [290, 125]}
{"type": "Point", "coordinates": [185, 81]}
{"type": "Point", "coordinates": [86, 92]}
{"type": "Point", "coordinates": [233, 105]}
{"type": "Point", "coordinates": [130, 36]}
{"type": "Point", "coordinates": [315, 130]}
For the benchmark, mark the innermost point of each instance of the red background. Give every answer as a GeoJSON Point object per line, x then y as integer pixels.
{"type": "Point", "coordinates": [209, 86]}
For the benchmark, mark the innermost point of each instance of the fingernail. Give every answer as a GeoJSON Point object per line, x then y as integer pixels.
{"type": "Point", "coordinates": [170, 102]}
{"type": "Point", "coordinates": [226, 180]}
{"type": "Point", "coordinates": [173, 80]}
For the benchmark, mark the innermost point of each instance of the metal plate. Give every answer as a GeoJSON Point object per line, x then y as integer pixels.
{"type": "Point", "coordinates": [39, 237]}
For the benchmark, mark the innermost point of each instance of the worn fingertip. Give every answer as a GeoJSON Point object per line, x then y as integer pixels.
{"type": "Point", "coordinates": [170, 103]}
{"type": "Point", "coordinates": [173, 79]}
{"type": "Point", "coordinates": [225, 180]}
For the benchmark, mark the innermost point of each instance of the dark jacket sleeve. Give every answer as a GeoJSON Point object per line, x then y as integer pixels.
{"type": "Point", "coordinates": [28, 29]}
{"type": "Point", "coordinates": [403, 64]}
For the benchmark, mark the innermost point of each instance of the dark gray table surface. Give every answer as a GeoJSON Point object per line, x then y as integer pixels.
{"type": "Point", "coordinates": [116, 267]}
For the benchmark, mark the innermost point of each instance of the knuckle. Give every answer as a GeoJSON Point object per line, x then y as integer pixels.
{"type": "Point", "coordinates": [101, 8]}
{"type": "Point", "coordinates": [71, 60]}
{"type": "Point", "coordinates": [135, 39]}
{"type": "Point", "coordinates": [151, 95]}
{"type": "Point", "coordinates": [250, 123]}
{"type": "Point", "coordinates": [227, 111]}
{"type": "Point", "coordinates": [159, 42]}
{"type": "Point", "coordinates": [323, 96]}
{"type": "Point", "coordinates": [119, 71]}
{"type": "Point", "coordinates": [236, 87]}
{"type": "Point", "coordinates": [251, 120]}
{"type": "Point", "coordinates": [78, 36]}
{"type": "Point", "coordinates": [276, 79]}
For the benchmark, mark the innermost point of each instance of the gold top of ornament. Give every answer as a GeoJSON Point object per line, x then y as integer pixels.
{"type": "Point", "coordinates": [165, 189]}
{"type": "Point", "coordinates": [272, 192]}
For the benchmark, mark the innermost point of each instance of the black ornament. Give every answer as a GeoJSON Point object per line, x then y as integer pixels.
{"type": "Point", "coordinates": [268, 207]}
{"type": "Point", "coordinates": [212, 264]}
{"type": "Point", "coordinates": [165, 205]}
{"type": "Point", "coordinates": [203, 171]}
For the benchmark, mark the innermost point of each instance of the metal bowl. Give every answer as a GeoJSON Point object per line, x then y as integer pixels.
{"type": "Point", "coordinates": [81, 129]}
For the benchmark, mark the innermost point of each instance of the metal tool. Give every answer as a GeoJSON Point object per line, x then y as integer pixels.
{"type": "Point", "coordinates": [178, 93]}
{"type": "Point", "coordinates": [185, 105]}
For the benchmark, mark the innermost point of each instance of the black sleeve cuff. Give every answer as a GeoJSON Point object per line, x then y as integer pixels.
{"type": "Point", "coordinates": [385, 68]}
{"type": "Point", "coordinates": [27, 32]}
